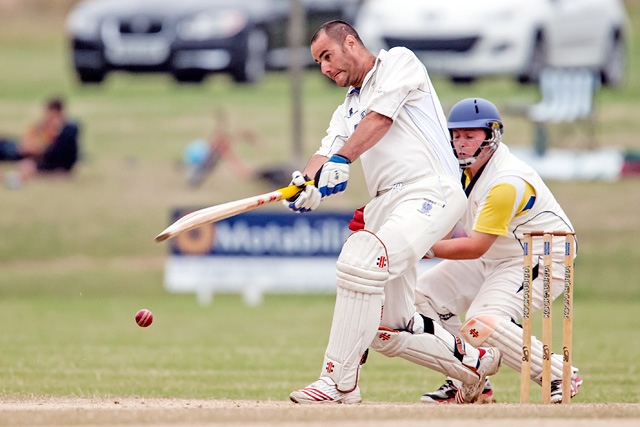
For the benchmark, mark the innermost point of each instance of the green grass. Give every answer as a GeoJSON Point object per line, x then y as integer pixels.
{"type": "Point", "coordinates": [77, 257]}
{"type": "Point", "coordinates": [90, 346]}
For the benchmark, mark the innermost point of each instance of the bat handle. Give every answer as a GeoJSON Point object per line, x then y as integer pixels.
{"type": "Point", "coordinates": [292, 190]}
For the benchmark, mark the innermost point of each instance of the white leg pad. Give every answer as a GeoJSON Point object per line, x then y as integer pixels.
{"type": "Point", "coordinates": [425, 350]}
{"type": "Point", "coordinates": [495, 331]}
{"type": "Point", "coordinates": [362, 274]}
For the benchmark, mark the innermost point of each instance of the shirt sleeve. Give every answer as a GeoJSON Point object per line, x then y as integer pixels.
{"type": "Point", "coordinates": [508, 197]}
{"type": "Point", "coordinates": [400, 78]}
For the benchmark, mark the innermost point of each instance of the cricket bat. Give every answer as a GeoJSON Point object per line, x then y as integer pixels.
{"type": "Point", "coordinates": [226, 210]}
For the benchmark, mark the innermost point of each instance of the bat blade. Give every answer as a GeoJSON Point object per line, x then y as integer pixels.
{"type": "Point", "coordinates": [225, 210]}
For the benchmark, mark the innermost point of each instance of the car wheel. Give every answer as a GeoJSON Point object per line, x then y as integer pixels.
{"type": "Point", "coordinates": [536, 62]}
{"type": "Point", "coordinates": [255, 63]}
{"type": "Point", "coordinates": [90, 75]}
{"type": "Point", "coordinates": [189, 76]}
{"type": "Point", "coordinates": [613, 69]}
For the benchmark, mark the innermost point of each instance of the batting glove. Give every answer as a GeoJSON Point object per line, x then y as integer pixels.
{"type": "Point", "coordinates": [306, 200]}
{"type": "Point", "coordinates": [333, 176]}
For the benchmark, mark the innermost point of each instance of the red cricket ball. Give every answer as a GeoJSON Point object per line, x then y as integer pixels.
{"type": "Point", "coordinates": [144, 318]}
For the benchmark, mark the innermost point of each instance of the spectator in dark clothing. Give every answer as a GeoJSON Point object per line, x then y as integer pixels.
{"type": "Point", "coordinates": [62, 153]}
{"type": "Point", "coordinates": [49, 146]}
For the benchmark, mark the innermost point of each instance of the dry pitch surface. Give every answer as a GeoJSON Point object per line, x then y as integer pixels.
{"type": "Point", "coordinates": [45, 411]}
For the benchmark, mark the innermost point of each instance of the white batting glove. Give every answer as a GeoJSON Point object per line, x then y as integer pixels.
{"type": "Point", "coordinates": [306, 200]}
{"type": "Point", "coordinates": [333, 176]}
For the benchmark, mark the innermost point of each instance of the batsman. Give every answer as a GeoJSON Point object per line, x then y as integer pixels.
{"type": "Point", "coordinates": [392, 120]}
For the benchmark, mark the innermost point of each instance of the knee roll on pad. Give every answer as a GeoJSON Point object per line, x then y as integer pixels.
{"type": "Point", "coordinates": [495, 331]}
{"type": "Point", "coordinates": [363, 264]}
{"type": "Point", "coordinates": [477, 329]}
{"type": "Point", "coordinates": [389, 342]}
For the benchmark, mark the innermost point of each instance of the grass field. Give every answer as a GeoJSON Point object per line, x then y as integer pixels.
{"type": "Point", "coordinates": [77, 257]}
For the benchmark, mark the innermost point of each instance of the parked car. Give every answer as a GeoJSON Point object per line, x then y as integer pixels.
{"type": "Point", "coordinates": [189, 38]}
{"type": "Point", "coordinates": [466, 39]}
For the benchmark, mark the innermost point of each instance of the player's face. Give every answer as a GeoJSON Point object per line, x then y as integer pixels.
{"type": "Point", "coordinates": [335, 60]}
{"type": "Point", "coordinates": [467, 141]}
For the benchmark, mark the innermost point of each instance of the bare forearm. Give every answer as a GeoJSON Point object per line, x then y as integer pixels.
{"type": "Point", "coordinates": [454, 249]}
{"type": "Point", "coordinates": [464, 247]}
{"type": "Point", "coordinates": [370, 130]}
{"type": "Point", "coordinates": [315, 162]}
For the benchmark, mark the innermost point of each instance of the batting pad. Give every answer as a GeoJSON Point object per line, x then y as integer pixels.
{"type": "Point", "coordinates": [425, 350]}
{"type": "Point", "coordinates": [495, 331]}
{"type": "Point", "coordinates": [362, 275]}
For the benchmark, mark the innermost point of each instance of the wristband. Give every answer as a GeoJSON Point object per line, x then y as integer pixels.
{"type": "Point", "coordinates": [338, 158]}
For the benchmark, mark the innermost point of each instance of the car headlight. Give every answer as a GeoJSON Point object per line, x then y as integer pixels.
{"type": "Point", "coordinates": [83, 26]}
{"type": "Point", "coordinates": [208, 25]}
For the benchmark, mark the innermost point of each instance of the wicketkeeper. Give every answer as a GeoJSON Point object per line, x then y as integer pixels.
{"type": "Point", "coordinates": [481, 274]}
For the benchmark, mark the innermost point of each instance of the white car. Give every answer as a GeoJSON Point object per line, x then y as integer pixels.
{"type": "Point", "coordinates": [466, 39]}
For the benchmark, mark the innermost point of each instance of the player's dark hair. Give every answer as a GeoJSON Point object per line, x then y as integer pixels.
{"type": "Point", "coordinates": [337, 30]}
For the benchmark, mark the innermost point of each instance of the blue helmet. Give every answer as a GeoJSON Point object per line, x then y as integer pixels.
{"type": "Point", "coordinates": [477, 113]}
{"type": "Point", "coordinates": [474, 113]}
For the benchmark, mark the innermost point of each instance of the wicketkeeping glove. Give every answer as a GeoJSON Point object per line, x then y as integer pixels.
{"type": "Point", "coordinates": [306, 200]}
{"type": "Point", "coordinates": [332, 177]}
{"type": "Point", "coordinates": [357, 222]}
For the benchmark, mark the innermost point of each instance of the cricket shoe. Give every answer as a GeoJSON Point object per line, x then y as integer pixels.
{"type": "Point", "coordinates": [447, 394]}
{"type": "Point", "coordinates": [488, 365]}
{"type": "Point", "coordinates": [324, 391]}
{"type": "Point", "coordinates": [556, 387]}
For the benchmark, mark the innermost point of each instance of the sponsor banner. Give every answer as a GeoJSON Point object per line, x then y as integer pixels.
{"type": "Point", "coordinates": [257, 253]}
{"type": "Point", "coordinates": [266, 235]}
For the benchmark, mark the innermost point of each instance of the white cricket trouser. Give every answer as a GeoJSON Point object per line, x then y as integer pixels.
{"type": "Point", "coordinates": [409, 219]}
{"type": "Point", "coordinates": [480, 286]}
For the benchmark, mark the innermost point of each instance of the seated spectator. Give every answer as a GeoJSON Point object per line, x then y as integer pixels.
{"type": "Point", "coordinates": [48, 146]}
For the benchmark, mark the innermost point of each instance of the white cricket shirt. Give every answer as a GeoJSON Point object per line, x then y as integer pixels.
{"type": "Point", "coordinates": [417, 144]}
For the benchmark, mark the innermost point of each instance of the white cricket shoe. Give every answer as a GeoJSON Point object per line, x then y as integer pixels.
{"type": "Point", "coordinates": [489, 365]}
{"type": "Point", "coordinates": [324, 391]}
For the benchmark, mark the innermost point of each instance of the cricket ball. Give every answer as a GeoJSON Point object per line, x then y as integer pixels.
{"type": "Point", "coordinates": [144, 318]}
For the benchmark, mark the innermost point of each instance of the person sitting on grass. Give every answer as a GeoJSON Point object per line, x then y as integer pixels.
{"type": "Point", "coordinates": [48, 146]}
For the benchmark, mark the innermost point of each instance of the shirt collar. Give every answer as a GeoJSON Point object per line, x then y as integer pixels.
{"type": "Point", "coordinates": [380, 58]}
